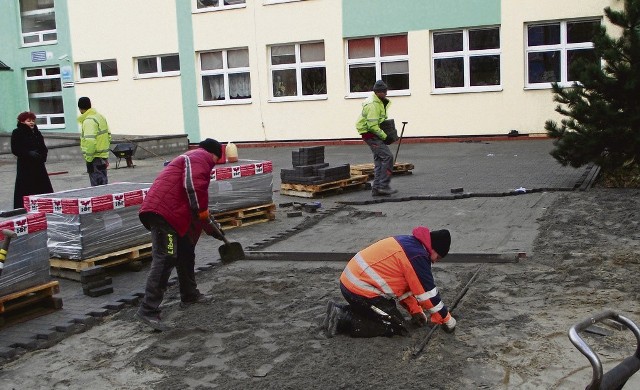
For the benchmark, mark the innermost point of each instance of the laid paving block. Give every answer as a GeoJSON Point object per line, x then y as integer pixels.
{"type": "Point", "coordinates": [115, 305]}
{"type": "Point", "coordinates": [7, 352]}
{"type": "Point", "coordinates": [292, 214]}
{"type": "Point", "coordinates": [99, 313]}
{"type": "Point", "coordinates": [98, 283]}
{"type": "Point", "coordinates": [100, 291]}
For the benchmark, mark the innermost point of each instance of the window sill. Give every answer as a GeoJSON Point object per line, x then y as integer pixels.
{"type": "Point", "coordinates": [448, 91]}
{"type": "Point", "coordinates": [548, 85]}
{"type": "Point", "coordinates": [224, 102]}
{"type": "Point", "coordinates": [95, 80]}
{"type": "Point", "coordinates": [215, 9]}
{"type": "Point", "coordinates": [363, 95]}
{"type": "Point", "coordinates": [296, 98]}
{"type": "Point", "coordinates": [156, 75]}
{"type": "Point", "coordinates": [44, 43]}
{"type": "Point", "coordinates": [271, 2]}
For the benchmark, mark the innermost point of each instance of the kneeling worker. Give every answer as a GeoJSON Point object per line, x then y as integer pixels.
{"type": "Point", "coordinates": [395, 268]}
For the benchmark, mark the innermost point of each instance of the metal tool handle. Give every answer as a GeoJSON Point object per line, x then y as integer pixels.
{"type": "Point", "coordinates": [215, 228]}
{"type": "Point", "coordinates": [399, 143]}
{"type": "Point", "coordinates": [617, 376]}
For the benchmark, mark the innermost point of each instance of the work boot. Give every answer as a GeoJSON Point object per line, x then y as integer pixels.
{"type": "Point", "coordinates": [153, 322]}
{"type": "Point", "coordinates": [376, 192]}
{"type": "Point", "coordinates": [386, 191]}
{"type": "Point", "coordinates": [201, 298]}
{"type": "Point", "coordinates": [335, 314]}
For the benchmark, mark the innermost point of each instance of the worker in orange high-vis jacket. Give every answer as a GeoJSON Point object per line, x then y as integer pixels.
{"type": "Point", "coordinates": [393, 269]}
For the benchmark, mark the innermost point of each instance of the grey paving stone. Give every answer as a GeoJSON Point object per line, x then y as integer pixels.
{"type": "Point", "coordinates": [7, 352]}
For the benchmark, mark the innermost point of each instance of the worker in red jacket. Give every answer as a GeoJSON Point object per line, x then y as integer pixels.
{"type": "Point", "coordinates": [176, 210]}
{"type": "Point", "coordinates": [393, 269]}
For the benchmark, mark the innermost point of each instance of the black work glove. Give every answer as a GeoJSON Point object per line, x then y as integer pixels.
{"type": "Point", "coordinates": [419, 319]}
{"type": "Point", "coordinates": [35, 155]}
{"type": "Point", "coordinates": [388, 140]}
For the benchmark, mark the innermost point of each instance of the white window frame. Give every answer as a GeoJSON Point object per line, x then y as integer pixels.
{"type": "Point", "coordinates": [159, 73]}
{"type": "Point", "coordinates": [377, 60]}
{"type": "Point", "coordinates": [466, 55]}
{"type": "Point", "coordinates": [100, 77]}
{"type": "Point", "coordinates": [39, 34]}
{"type": "Point", "coordinates": [220, 7]}
{"type": "Point", "coordinates": [563, 47]}
{"type": "Point", "coordinates": [298, 66]}
{"type": "Point", "coordinates": [48, 117]}
{"type": "Point", "coordinates": [225, 72]}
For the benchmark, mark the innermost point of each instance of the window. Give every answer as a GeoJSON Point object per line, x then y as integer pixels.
{"type": "Point", "coordinates": [298, 71]}
{"type": "Point", "coordinates": [98, 70]}
{"type": "Point", "coordinates": [158, 66]}
{"type": "Point", "coordinates": [375, 58]}
{"type": "Point", "coordinates": [466, 60]}
{"type": "Point", "coordinates": [38, 19]}
{"type": "Point", "coordinates": [225, 76]}
{"type": "Point", "coordinates": [44, 88]}
{"type": "Point", "coordinates": [212, 5]}
{"type": "Point", "coordinates": [552, 49]}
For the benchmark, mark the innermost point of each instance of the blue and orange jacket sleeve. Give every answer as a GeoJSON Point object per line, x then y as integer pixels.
{"type": "Point", "coordinates": [421, 282]}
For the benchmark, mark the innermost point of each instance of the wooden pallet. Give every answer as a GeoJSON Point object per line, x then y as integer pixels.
{"type": "Point", "coordinates": [367, 169]}
{"type": "Point", "coordinates": [246, 216]}
{"type": "Point", "coordinates": [29, 297]}
{"type": "Point", "coordinates": [317, 190]}
{"type": "Point", "coordinates": [129, 255]}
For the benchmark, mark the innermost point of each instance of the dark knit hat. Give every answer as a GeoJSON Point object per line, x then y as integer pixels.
{"type": "Point", "coordinates": [211, 146]}
{"type": "Point", "coordinates": [379, 86]}
{"type": "Point", "coordinates": [84, 103]}
{"type": "Point", "coordinates": [441, 241]}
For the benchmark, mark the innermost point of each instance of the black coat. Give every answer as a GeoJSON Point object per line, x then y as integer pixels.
{"type": "Point", "coordinates": [31, 176]}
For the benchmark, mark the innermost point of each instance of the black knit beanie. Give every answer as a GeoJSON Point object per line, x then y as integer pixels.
{"type": "Point", "coordinates": [379, 86]}
{"type": "Point", "coordinates": [211, 146]}
{"type": "Point", "coordinates": [441, 241]}
{"type": "Point", "coordinates": [84, 103]}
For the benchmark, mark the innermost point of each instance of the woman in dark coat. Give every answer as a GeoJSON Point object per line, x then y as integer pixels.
{"type": "Point", "coordinates": [28, 145]}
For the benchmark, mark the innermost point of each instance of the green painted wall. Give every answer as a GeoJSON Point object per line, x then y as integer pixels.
{"type": "Point", "coordinates": [13, 88]}
{"type": "Point", "coordinates": [377, 17]}
{"type": "Point", "coordinates": [191, 119]}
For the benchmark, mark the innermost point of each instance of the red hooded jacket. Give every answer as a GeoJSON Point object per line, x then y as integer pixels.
{"type": "Point", "coordinates": [181, 191]}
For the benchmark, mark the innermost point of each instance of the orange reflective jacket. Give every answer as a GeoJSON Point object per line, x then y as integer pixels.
{"type": "Point", "coordinates": [397, 267]}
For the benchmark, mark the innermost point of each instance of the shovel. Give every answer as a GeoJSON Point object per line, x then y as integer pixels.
{"type": "Point", "coordinates": [230, 251]}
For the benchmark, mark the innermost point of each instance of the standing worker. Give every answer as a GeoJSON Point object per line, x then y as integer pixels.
{"type": "Point", "coordinates": [27, 144]}
{"type": "Point", "coordinates": [374, 112]}
{"type": "Point", "coordinates": [395, 268]}
{"type": "Point", "coordinates": [95, 141]}
{"type": "Point", "coordinates": [176, 210]}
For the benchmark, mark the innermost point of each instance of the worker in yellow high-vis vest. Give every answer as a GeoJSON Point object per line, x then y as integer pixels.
{"type": "Point", "coordinates": [95, 141]}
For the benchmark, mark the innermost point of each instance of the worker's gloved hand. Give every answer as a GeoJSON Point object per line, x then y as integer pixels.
{"type": "Point", "coordinates": [388, 140]}
{"type": "Point", "coordinates": [419, 319]}
{"type": "Point", "coordinates": [35, 155]}
{"type": "Point", "coordinates": [450, 325]}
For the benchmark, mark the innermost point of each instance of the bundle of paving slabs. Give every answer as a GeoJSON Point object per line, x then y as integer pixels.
{"type": "Point", "coordinates": [92, 221]}
{"type": "Point", "coordinates": [241, 184]}
{"type": "Point", "coordinates": [27, 262]}
{"type": "Point", "coordinates": [309, 167]}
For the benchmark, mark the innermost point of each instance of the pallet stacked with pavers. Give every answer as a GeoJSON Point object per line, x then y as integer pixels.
{"type": "Point", "coordinates": [95, 281]}
{"type": "Point", "coordinates": [309, 167]}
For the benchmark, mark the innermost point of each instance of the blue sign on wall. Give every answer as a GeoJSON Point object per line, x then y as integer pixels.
{"type": "Point", "coordinates": [38, 56]}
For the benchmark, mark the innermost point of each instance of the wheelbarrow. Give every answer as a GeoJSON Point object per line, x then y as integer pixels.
{"type": "Point", "coordinates": [618, 376]}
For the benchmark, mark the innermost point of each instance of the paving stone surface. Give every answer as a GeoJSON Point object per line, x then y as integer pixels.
{"type": "Point", "coordinates": [520, 170]}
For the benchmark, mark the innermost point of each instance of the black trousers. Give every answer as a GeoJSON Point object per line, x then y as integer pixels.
{"type": "Point", "coordinates": [168, 251]}
{"type": "Point", "coordinates": [363, 321]}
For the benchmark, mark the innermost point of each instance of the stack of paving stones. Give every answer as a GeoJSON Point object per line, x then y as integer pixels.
{"type": "Point", "coordinates": [95, 281]}
{"type": "Point", "coordinates": [309, 167]}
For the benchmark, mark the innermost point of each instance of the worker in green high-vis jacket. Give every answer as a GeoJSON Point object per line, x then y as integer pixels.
{"type": "Point", "coordinates": [95, 141]}
{"type": "Point", "coordinates": [374, 112]}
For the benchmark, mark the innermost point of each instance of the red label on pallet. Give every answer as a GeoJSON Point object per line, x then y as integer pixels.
{"type": "Point", "coordinates": [236, 171]}
{"type": "Point", "coordinates": [29, 223]}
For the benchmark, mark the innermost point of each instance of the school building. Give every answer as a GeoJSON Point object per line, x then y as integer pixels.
{"type": "Point", "coordinates": [271, 70]}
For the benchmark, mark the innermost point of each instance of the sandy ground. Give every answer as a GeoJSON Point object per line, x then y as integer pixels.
{"type": "Point", "coordinates": [262, 331]}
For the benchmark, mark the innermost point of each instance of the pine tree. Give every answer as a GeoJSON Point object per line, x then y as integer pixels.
{"type": "Point", "coordinates": [603, 108]}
